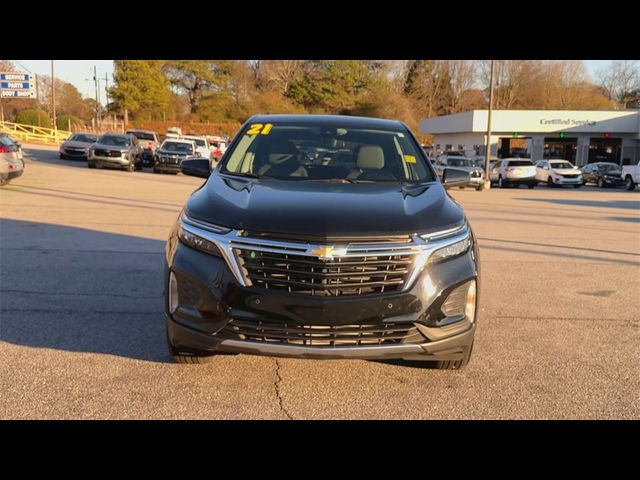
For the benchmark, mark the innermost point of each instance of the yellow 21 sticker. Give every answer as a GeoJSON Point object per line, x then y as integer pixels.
{"type": "Point", "coordinates": [409, 159]}
{"type": "Point", "coordinates": [257, 128]}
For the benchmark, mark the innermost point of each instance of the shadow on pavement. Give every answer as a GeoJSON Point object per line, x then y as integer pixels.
{"type": "Point", "coordinates": [626, 204]}
{"type": "Point", "coordinates": [81, 290]}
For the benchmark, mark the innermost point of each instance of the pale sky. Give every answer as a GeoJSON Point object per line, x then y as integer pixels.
{"type": "Point", "coordinates": [80, 72]}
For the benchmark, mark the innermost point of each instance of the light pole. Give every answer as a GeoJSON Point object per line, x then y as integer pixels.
{"type": "Point", "coordinates": [487, 152]}
{"type": "Point", "coordinates": [95, 79]}
{"type": "Point", "coordinates": [53, 98]}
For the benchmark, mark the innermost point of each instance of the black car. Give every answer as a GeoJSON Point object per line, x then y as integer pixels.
{"type": "Point", "coordinates": [603, 174]}
{"type": "Point", "coordinates": [322, 237]}
{"type": "Point", "coordinates": [168, 158]}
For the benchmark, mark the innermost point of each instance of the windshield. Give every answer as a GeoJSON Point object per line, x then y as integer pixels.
{"type": "Point", "coordinates": [459, 162]}
{"type": "Point", "coordinates": [520, 163]}
{"type": "Point", "coordinates": [178, 147]}
{"type": "Point", "coordinates": [322, 152]}
{"type": "Point", "coordinates": [81, 137]}
{"type": "Point", "coordinates": [607, 167]}
{"type": "Point", "coordinates": [199, 142]}
{"type": "Point", "coordinates": [143, 135]}
{"type": "Point", "coordinates": [113, 140]}
{"type": "Point", "coordinates": [560, 165]}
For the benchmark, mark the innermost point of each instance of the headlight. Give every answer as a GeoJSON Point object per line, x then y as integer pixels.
{"type": "Point", "coordinates": [453, 250]}
{"type": "Point", "coordinates": [197, 241]}
{"type": "Point", "coordinates": [194, 241]}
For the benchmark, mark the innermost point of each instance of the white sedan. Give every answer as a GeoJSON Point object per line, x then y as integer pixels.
{"type": "Point", "coordinates": [557, 173]}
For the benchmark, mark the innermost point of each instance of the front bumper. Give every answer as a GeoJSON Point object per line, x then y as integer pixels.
{"type": "Point", "coordinates": [211, 299]}
{"type": "Point", "coordinates": [567, 181]}
{"type": "Point", "coordinates": [74, 153]}
{"type": "Point", "coordinates": [110, 161]}
{"type": "Point", "coordinates": [167, 164]}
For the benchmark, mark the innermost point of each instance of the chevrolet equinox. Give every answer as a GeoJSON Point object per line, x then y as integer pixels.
{"type": "Point", "coordinates": [322, 237]}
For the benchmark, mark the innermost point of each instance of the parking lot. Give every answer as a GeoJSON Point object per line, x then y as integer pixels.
{"type": "Point", "coordinates": [82, 328]}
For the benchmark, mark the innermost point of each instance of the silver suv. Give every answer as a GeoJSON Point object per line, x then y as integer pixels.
{"type": "Point", "coordinates": [513, 171]}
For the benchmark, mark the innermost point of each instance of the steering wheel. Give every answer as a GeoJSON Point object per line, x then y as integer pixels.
{"type": "Point", "coordinates": [376, 175]}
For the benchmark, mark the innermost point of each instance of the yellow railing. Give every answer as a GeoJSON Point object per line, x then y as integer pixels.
{"type": "Point", "coordinates": [28, 133]}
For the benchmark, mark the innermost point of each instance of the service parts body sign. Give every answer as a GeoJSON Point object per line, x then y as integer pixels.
{"type": "Point", "coordinates": [17, 85]}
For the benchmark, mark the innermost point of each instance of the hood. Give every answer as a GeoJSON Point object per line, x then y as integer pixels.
{"type": "Point", "coordinates": [567, 171]}
{"type": "Point", "coordinates": [467, 169]}
{"type": "Point", "coordinates": [76, 144]}
{"type": "Point", "coordinates": [175, 154]}
{"type": "Point", "coordinates": [323, 209]}
{"type": "Point", "coordinates": [612, 173]}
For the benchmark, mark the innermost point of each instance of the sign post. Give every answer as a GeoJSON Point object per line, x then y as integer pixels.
{"type": "Point", "coordinates": [17, 85]}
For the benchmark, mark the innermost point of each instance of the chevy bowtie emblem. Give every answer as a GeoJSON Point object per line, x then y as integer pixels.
{"type": "Point", "coordinates": [328, 253]}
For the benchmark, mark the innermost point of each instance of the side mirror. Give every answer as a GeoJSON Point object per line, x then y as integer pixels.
{"type": "Point", "coordinates": [452, 177]}
{"type": "Point", "coordinates": [197, 167]}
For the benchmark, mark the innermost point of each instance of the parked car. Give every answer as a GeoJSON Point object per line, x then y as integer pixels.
{"type": "Point", "coordinates": [556, 173]}
{"type": "Point", "coordinates": [76, 147]}
{"type": "Point", "coordinates": [463, 163]}
{"type": "Point", "coordinates": [202, 145]}
{"type": "Point", "coordinates": [116, 150]}
{"type": "Point", "coordinates": [631, 176]}
{"type": "Point", "coordinates": [513, 171]}
{"type": "Point", "coordinates": [322, 237]}
{"type": "Point", "coordinates": [171, 153]}
{"type": "Point", "coordinates": [149, 142]}
{"type": "Point", "coordinates": [603, 174]}
{"type": "Point", "coordinates": [15, 141]}
{"type": "Point", "coordinates": [11, 164]}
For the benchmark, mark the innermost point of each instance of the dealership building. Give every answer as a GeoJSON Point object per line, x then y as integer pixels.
{"type": "Point", "coordinates": [579, 136]}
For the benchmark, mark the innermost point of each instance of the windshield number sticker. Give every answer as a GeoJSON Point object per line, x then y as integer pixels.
{"type": "Point", "coordinates": [259, 128]}
{"type": "Point", "coordinates": [409, 159]}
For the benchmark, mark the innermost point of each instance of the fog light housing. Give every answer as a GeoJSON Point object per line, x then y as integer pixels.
{"type": "Point", "coordinates": [174, 301]}
{"type": "Point", "coordinates": [460, 304]}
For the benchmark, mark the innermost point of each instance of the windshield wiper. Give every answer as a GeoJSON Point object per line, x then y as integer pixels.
{"type": "Point", "coordinates": [244, 175]}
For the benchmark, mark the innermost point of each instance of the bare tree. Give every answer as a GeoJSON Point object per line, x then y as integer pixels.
{"type": "Point", "coordinates": [620, 81]}
{"type": "Point", "coordinates": [462, 75]}
{"type": "Point", "coordinates": [279, 74]}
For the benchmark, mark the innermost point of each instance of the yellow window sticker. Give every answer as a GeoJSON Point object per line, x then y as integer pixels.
{"type": "Point", "coordinates": [257, 128]}
{"type": "Point", "coordinates": [409, 159]}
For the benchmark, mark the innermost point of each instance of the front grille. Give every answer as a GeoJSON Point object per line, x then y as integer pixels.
{"type": "Point", "coordinates": [323, 335]}
{"type": "Point", "coordinates": [367, 273]}
{"type": "Point", "coordinates": [570, 176]}
{"type": "Point", "coordinates": [107, 153]}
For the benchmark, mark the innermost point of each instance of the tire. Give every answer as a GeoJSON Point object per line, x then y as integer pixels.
{"type": "Point", "coordinates": [186, 358]}
{"type": "Point", "coordinates": [3, 181]}
{"type": "Point", "coordinates": [480, 187]}
{"type": "Point", "coordinates": [155, 170]}
{"type": "Point", "coordinates": [629, 184]}
{"type": "Point", "coordinates": [550, 183]}
{"type": "Point", "coordinates": [91, 164]}
{"type": "Point", "coordinates": [454, 364]}
{"type": "Point", "coordinates": [531, 185]}
{"type": "Point", "coordinates": [577, 186]}
{"type": "Point", "coordinates": [62, 157]}
{"type": "Point", "coordinates": [501, 183]}
{"type": "Point", "coordinates": [600, 183]}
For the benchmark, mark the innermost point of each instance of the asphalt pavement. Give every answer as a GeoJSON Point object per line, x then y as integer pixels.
{"type": "Point", "coordinates": [82, 328]}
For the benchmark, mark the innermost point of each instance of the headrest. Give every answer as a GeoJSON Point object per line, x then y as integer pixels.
{"type": "Point", "coordinates": [370, 157]}
{"type": "Point", "coordinates": [280, 151]}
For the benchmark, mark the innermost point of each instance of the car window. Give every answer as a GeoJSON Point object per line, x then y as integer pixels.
{"type": "Point", "coordinates": [561, 165]}
{"type": "Point", "coordinates": [178, 147]}
{"type": "Point", "coordinates": [327, 152]}
{"type": "Point", "coordinates": [143, 135]}
{"type": "Point", "coordinates": [520, 163]}
{"type": "Point", "coordinates": [81, 137]}
{"type": "Point", "coordinates": [115, 141]}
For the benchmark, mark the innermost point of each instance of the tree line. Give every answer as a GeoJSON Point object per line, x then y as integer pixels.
{"type": "Point", "coordinates": [231, 91]}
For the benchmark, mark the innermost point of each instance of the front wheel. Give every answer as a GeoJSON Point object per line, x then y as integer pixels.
{"type": "Point", "coordinates": [91, 164]}
{"type": "Point", "coordinates": [600, 183]}
{"type": "Point", "coordinates": [501, 183]}
{"type": "Point", "coordinates": [629, 184]}
{"type": "Point", "coordinates": [186, 357]}
{"type": "Point", "coordinates": [550, 183]}
{"type": "Point", "coordinates": [577, 186]}
{"type": "Point", "coordinates": [480, 187]}
{"type": "Point", "coordinates": [531, 185]}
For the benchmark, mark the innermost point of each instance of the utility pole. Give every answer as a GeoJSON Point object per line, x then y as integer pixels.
{"type": "Point", "coordinates": [53, 98]}
{"type": "Point", "coordinates": [487, 155]}
{"type": "Point", "coordinates": [95, 79]}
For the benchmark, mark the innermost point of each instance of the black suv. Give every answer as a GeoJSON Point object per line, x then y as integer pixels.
{"type": "Point", "coordinates": [322, 237]}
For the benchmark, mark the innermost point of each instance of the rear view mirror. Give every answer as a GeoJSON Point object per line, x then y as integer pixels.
{"type": "Point", "coordinates": [453, 177]}
{"type": "Point", "coordinates": [197, 167]}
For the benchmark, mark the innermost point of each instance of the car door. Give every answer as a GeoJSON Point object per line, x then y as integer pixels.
{"type": "Point", "coordinates": [544, 172]}
{"type": "Point", "coordinates": [588, 174]}
{"type": "Point", "coordinates": [494, 172]}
